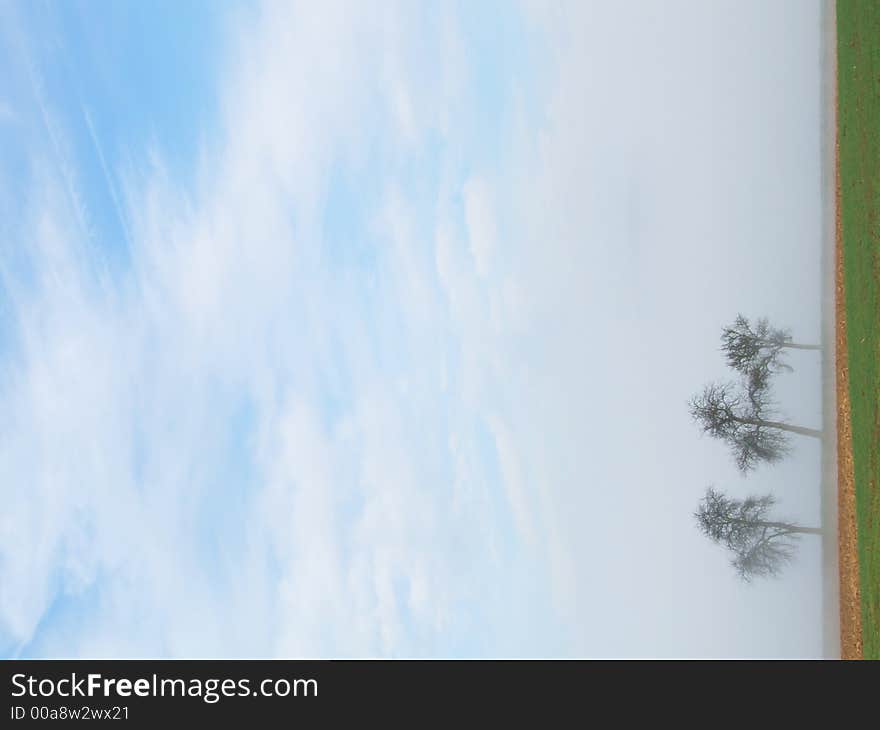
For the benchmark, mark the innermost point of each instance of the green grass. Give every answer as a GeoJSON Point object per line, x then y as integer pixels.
{"type": "Point", "coordinates": [858, 47]}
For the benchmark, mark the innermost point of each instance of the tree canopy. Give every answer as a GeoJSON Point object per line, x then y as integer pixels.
{"type": "Point", "coordinates": [738, 416]}
{"type": "Point", "coordinates": [760, 346]}
{"type": "Point", "coordinates": [761, 546]}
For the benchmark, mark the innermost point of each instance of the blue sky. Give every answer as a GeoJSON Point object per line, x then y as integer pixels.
{"type": "Point", "coordinates": [306, 333]}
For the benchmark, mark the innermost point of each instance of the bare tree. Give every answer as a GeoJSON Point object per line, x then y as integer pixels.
{"type": "Point", "coordinates": [743, 417]}
{"type": "Point", "coordinates": [761, 546]}
{"type": "Point", "coordinates": [761, 346]}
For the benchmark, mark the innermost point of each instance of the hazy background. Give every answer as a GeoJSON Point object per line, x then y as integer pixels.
{"type": "Point", "coordinates": [369, 328]}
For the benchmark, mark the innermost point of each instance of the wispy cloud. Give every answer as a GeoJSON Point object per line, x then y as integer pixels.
{"type": "Point", "coordinates": [235, 431]}
{"type": "Point", "coordinates": [109, 177]}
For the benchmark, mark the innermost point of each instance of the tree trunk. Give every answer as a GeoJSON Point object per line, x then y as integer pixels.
{"type": "Point", "coordinates": [802, 430]}
{"type": "Point", "coordinates": [792, 528]}
{"type": "Point", "coordinates": [799, 346]}
{"type": "Point", "coordinates": [791, 345]}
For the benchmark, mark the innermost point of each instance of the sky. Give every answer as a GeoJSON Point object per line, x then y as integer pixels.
{"type": "Point", "coordinates": [368, 329]}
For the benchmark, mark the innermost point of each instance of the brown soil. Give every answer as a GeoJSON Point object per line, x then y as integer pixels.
{"type": "Point", "coordinates": [850, 600]}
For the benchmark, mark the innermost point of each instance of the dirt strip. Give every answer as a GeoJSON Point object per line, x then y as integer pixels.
{"type": "Point", "coordinates": [850, 596]}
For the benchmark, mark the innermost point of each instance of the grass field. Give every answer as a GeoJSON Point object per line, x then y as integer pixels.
{"type": "Point", "coordinates": [858, 38]}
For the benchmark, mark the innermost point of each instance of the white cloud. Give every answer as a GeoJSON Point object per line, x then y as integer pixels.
{"type": "Point", "coordinates": [480, 216]}
{"type": "Point", "coordinates": [515, 482]}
